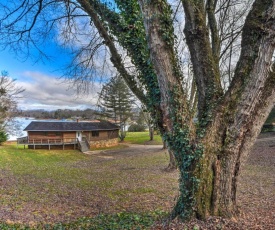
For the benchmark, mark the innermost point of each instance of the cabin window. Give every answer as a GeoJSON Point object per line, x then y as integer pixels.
{"type": "Point", "coordinates": [45, 133]}
{"type": "Point", "coordinates": [58, 133]}
{"type": "Point", "coordinates": [95, 133]}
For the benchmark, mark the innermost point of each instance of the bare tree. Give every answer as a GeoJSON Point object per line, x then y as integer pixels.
{"type": "Point", "coordinates": [9, 94]}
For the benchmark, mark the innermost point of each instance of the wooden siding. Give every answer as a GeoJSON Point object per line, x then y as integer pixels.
{"type": "Point", "coordinates": [45, 135]}
{"type": "Point", "coordinates": [113, 134]}
{"type": "Point", "coordinates": [69, 135]}
{"type": "Point", "coordinates": [72, 135]}
{"type": "Point", "coordinates": [51, 136]}
{"type": "Point", "coordinates": [102, 135]}
{"type": "Point", "coordinates": [67, 139]}
{"type": "Point", "coordinates": [86, 134]}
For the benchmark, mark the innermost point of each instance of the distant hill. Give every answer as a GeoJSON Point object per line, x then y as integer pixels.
{"type": "Point", "coordinates": [58, 114]}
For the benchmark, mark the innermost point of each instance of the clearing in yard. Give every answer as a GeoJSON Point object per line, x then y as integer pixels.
{"type": "Point", "coordinates": [60, 186]}
{"type": "Point", "coordinates": [119, 188]}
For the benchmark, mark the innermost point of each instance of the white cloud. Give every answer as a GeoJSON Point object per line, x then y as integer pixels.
{"type": "Point", "coordinates": [47, 92]}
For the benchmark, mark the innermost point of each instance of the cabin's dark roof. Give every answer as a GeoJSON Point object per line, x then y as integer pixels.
{"type": "Point", "coordinates": [70, 126]}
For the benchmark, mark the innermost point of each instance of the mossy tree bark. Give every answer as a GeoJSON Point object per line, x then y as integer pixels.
{"type": "Point", "coordinates": [209, 158]}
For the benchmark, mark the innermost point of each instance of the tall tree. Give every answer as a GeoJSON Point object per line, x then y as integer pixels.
{"type": "Point", "coordinates": [211, 147]}
{"type": "Point", "coordinates": [116, 101]}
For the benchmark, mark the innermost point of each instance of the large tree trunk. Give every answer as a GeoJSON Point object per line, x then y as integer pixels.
{"type": "Point", "coordinates": [225, 150]}
{"type": "Point", "coordinates": [209, 154]}
{"type": "Point", "coordinates": [240, 116]}
{"type": "Point", "coordinates": [209, 160]}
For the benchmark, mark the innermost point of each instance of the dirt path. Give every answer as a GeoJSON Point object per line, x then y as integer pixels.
{"type": "Point", "coordinates": [130, 150]}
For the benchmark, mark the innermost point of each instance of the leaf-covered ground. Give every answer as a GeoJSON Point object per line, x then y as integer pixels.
{"type": "Point", "coordinates": [123, 187]}
{"type": "Point", "coordinates": [41, 186]}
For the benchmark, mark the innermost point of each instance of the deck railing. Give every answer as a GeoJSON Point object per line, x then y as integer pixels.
{"type": "Point", "coordinates": [27, 141]}
{"type": "Point", "coordinates": [22, 140]}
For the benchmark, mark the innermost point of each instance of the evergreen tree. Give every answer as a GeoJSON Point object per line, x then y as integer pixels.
{"type": "Point", "coordinates": [116, 101]}
{"type": "Point", "coordinates": [3, 136]}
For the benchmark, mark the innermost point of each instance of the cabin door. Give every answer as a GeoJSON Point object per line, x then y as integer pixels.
{"type": "Point", "coordinates": [79, 135]}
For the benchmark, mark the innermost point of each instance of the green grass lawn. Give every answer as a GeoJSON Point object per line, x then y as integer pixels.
{"type": "Point", "coordinates": [142, 138]}
{"type": "Point", "coordinates": [42, 186]}
{"type": "Point", "coordinates": [115, 189]}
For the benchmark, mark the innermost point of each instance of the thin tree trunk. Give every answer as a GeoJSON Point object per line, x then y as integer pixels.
{"type": "Point", "coordinates": [151, 133]}
{"type": "Point", "coordinates": [205, 64]}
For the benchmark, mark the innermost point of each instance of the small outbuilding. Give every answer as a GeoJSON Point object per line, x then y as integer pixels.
{"type": "Point", "coordinates": [67, 135]}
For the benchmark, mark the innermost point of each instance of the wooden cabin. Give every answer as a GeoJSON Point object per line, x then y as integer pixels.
{"type": "Point", "coordinates": [68, 135]}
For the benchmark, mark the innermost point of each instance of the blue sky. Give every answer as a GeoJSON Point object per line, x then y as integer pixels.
{"type": "Point", "coordinates": [42, 84]}
{"type": "Point", "coordinates": [43, 89]}
{"type": "Point", "coordinates": [40, 79]}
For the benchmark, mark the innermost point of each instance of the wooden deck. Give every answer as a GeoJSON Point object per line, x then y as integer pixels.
{"type": "Point", "coordinates": [47, 142]}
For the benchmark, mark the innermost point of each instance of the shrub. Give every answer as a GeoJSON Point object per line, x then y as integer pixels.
{"type": "Point", "coordinates": [3, 137]}
{"type": "Point", "coordinates": [136, 128]}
